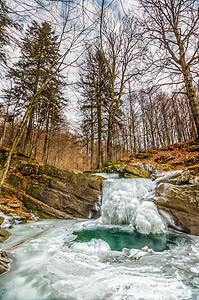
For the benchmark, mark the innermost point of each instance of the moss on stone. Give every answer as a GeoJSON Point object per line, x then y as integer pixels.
{"type": "Point", "coordinates": [134, 171]}
{"type": "Point", "coordinates": [110, 167]}
{"type": "Point", "coordinates": [169, 168]}
{"type": "Point", "coordinates": [4, 235]}
{"type": "Point", "coordinates": [7, 192]}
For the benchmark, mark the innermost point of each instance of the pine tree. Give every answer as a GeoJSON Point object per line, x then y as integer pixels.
{"type": "Point", "coordinates": [38, 53]}
{"type": "Point", "coordinates": [4, 22]}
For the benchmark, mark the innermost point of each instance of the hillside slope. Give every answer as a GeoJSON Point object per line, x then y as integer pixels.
{"type": "Point", "coordinates": [179, 156]}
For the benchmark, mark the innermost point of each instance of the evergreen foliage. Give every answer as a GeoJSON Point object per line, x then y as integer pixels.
{"type": "Point", "coordinates": [40, 49]}
{"type": "Point", "coordinates": [4, 22]}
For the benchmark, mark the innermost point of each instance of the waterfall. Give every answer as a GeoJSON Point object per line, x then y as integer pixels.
{"type": "Point", "coordinates": [128, 202]}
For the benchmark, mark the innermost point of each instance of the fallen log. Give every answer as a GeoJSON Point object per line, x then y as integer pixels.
{"type": "Point", "coordinates": [17, 245]}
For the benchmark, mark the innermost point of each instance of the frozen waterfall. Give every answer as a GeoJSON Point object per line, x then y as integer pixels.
{"type": "Point", "coordinates": [128, 201]}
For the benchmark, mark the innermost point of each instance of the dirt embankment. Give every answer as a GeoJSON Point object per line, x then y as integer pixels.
{"type": "Point", "coordinates": [179, 156]}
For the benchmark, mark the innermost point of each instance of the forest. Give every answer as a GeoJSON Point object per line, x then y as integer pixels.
{"type": "Point", "coordinates": [99, 149]}
{"type": "Point", "coordinates": [86, 82]}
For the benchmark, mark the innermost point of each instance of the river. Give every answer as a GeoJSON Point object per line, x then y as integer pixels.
{"type": "Point", "coordinates": [127, 254]}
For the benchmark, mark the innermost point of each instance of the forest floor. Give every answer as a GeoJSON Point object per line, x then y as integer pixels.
{"type": "Point", "coordinates": [179, 156]}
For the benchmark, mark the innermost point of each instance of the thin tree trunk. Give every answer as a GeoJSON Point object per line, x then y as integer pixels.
{"type": "Point", "coordinates": [4, 131]}
{"type": "Point", "coordinates": [99, 133]}
{"type": "Point", "coordinates": [109, 141]}
{"type": "Point", "coordinates": [92, 135]}
{"type": "Point", "coordinates": [44, 159]}
{"type": "Point", "coordinates": [28, 138]}
{"type": "Point", "coordinates": [17, 139]}
{"type": "Point", "coordinates": [30, 109]}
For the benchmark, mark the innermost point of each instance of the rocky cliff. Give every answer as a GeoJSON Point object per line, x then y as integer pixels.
{"type": "Point", "coordinates": [178, 201]}
{"type": "Point", "coordinates": [52, 192]}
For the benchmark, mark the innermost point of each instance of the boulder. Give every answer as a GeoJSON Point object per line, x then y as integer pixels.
{"type": "Point", "coordinates": [4, 235]}
{"type": "Point", "coordinates": [4, 262]}
{"type": "Point", "coordinates": [2, 269]}
{"type": "Point", "coordinates": [1, 220]}
{"type": "Point", "coordinates": [110, 167]}
{"type": "Point", "coordinates": [175, 177]}
{"type": "Point", "coordinates": [14, 205]}
{"type": "Point", "coordinates": [56, 193]}
{"type": "Point", "coordinates": [180, 202]}
{"type": "Point", "coordinates": [135, 170]}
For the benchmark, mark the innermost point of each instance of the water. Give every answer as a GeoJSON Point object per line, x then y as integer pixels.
{"type": "Point", "coordinates": [93, 260]}
{"type": "Point", "coordinates": [120, 238]}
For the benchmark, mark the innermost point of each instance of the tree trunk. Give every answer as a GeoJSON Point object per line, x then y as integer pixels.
{"type": "Point", "coordinates": [44, 158]}
{"type": "Point", "coordinates": [28, 138]}
{"type": "Point", "coordinates": [109, 141]}
{"type": "Point", "coordinates": [99, 133]}
{"type": "Point", "coordinates": [20, 132]}
{"type": "Point", "coordinates": [4, 131]}
{"type": "Point", "coordinates": [92, 135]}
{"type": "Point", "coordinates": [17, 139]}
{"type": "Point", "coordinates": [191, 94]}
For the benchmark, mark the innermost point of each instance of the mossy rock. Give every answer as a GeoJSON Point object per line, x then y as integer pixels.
{"type": "Point", "coordinates": [110, 167]}
{"type": "Point", "coordinates": [18, 182]}
{"type": "Point", "coordinates": [7, 191]}
{"type": "Point", "coordinates": [54, 172]}
{"type": "Point", "coordinates": [27, 169]}
{"type": "Point", "coordinates": [182, 203]}
{"type": "Point", "coordinates": [63, 192]}
{"type": "Point", "coordinates": [4, 235]}
{"type": "Point", "coordinates": [169, 168]}
{"type": "Point", "coordinates": [179, 177]}
{"type": "Point", "coordinates": [134, 171]}
{"type": "Point", "coordinates": [1, 220]}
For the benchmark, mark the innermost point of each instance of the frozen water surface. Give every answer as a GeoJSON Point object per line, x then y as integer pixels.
{"type": "Point", "coordinates": [93, 260]}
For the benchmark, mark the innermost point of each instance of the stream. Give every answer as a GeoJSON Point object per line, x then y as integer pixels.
{"type": "Point", "coordinates": [126, 254]}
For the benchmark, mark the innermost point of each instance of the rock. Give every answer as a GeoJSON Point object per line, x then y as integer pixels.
{"type": "Point", "coordinates": [169, 168]}
{"type": "Point", "coordinates": [180, 202]}
{"type": "Point", "coordinates": [153, 177]}
{"type": "Point", "coordinates": [196, 180]}
{"type": "Point", "coordinates": [14, 205]}
{"type": "Point", "coordinates": [4, 262]}
{"type": "Point", "coordinates": [175, 177]}
{"type": "Point", "coordinates": [150, 168]}
{"type": "Point", "coordinates": [135, 170]}
{"type": "Point", "coordinates": [4, 235]}
{"type": "Point", "coordinates": [56, 193]}
{"type": "Point", "coordinates": [110, 167]}
{"type": "Point", "coordinates": [1, 220]}
{"type": "Point", "coordinates": [3, 269]}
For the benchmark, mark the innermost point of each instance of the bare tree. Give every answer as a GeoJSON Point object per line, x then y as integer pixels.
{"type": "Point", "coordinates": [172, 27]}
{"type": "Point", "coordinates": [122, 51]}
